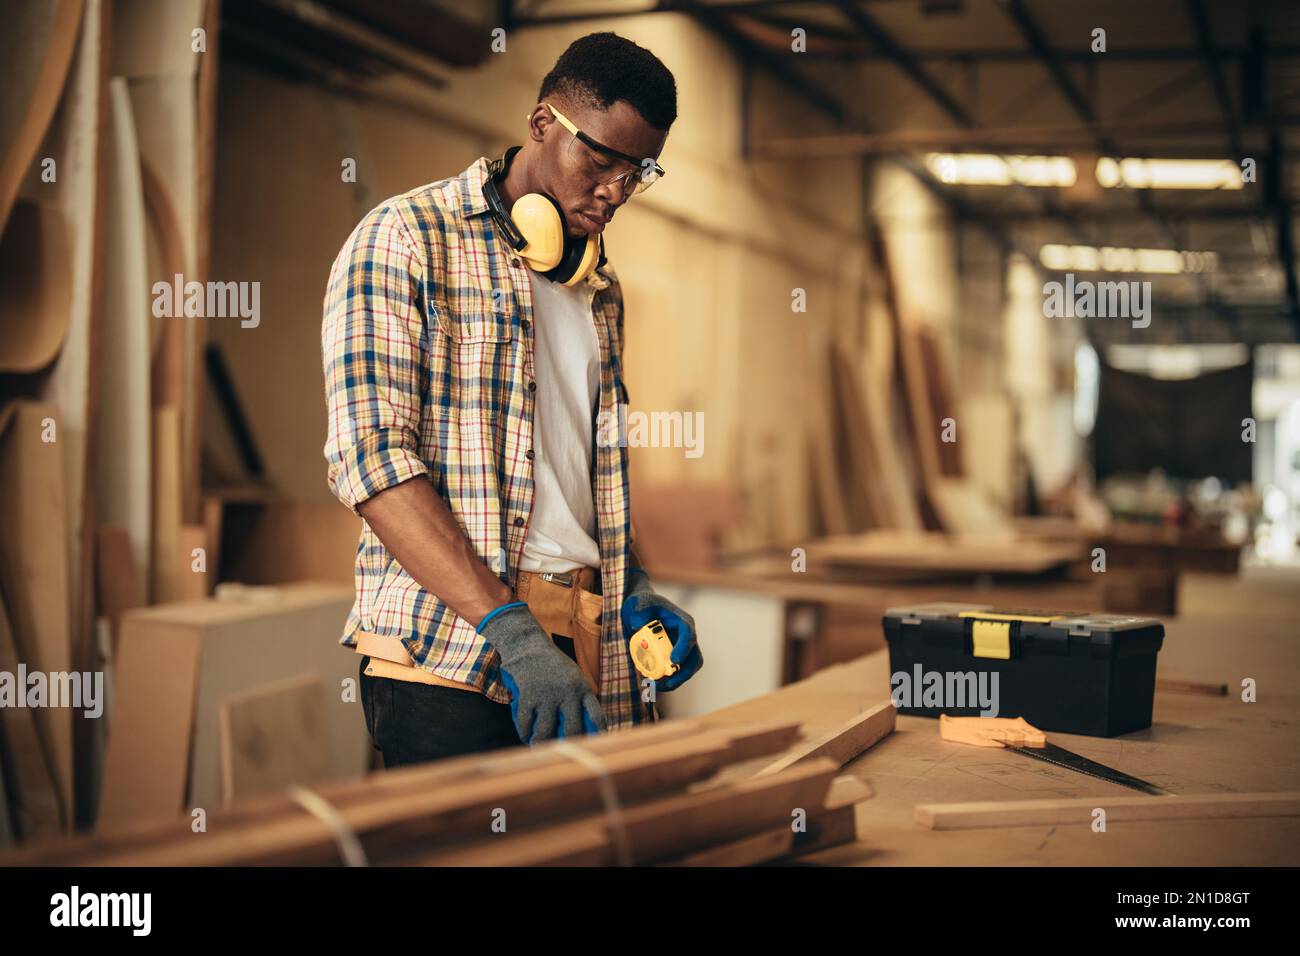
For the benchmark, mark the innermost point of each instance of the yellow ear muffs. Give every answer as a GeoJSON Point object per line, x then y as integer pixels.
{"type": "Point", "coordinates": [534, 228]}
{"type": "Point", "coordinates": [549, 251]}
{"type": "Point", "coordinates": [538, 222]}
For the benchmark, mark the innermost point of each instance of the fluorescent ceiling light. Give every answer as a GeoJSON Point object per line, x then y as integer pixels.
{"type": "Point", "coordinates": [988, 169]}
{"type": "Point", "coordinates": [1168, 173]}
{"type": "Point", "coordinates": [1060, 258]}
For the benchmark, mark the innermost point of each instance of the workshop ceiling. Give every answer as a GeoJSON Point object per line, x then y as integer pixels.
{"type": "Point", "coordinates": [1202, 79]}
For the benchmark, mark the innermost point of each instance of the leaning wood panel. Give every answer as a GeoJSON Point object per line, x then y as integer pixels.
{"type": "Point", "coordinates": [35, 286]}
{"type": "Point", "coordinates": [34, 565]}
{"type": "Point", "coordinates": [36, 47]}
{"type": "Point", "coordinates": [1025, 813]}
{"type": "Point", "coordinates": [33, 807]}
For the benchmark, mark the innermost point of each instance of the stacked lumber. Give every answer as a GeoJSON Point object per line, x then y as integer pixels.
{"type": "Point", "coordinates": [651, 795]}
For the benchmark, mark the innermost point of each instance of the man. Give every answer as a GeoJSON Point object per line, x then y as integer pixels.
{"type": "Point", "coordinates": [472, 337]}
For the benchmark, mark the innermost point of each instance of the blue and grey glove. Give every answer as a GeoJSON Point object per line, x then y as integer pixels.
{"type": "Point", "coordinates": [549, 697]}
{"type": "Point", "coordinates": [641, 606]}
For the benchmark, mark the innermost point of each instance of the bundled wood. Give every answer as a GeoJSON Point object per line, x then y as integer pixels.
{"type": "Point", "coordinates": [552, 806]}
{"type": "Point", "coordinates": [661, 828]}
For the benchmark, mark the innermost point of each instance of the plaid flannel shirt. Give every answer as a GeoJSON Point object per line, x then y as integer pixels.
{"type": "Point", "coordinates": [427, 343]}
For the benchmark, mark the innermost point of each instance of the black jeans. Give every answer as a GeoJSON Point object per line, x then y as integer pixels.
{"type": "Point", "coordinates": [413, 723]}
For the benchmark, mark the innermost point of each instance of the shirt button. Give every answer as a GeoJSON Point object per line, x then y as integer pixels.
{"type": "Point", "coordinates": [519, 522]}
{"type": "Point", "coordinates": [524, 325]}
{"type": "Point", "coordinates": [529, 454]}
{"type": "Point", "coordinates": [532, 386]}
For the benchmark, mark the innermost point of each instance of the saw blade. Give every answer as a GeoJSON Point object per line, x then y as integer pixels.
{"type": "Point", "coordinates": [1072, 761]}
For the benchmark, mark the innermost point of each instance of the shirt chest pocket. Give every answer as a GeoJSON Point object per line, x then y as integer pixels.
{"type": "Point", "coordinates": [481, 367]}
{"type": "Point", "coordinates": [477, 317]}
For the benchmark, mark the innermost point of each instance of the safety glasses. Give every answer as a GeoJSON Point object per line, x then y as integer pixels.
{"type": "Point", "coordinates": [605, 166]}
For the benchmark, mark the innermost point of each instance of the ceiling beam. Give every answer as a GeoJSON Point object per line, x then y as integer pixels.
{"type": "Point", "coordinates": [829, 104]}
{"type": "Point", "coordinates": [1038, 45]}
{"type": "Point", "coordinates": [895, 53]}
{"type": "Point", "coordinates": [1205, 42]}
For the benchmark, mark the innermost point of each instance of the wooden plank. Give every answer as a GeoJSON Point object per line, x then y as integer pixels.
{"type": "Point", "coordinates": [855, 442]}
{"type": "Point", "coordinates": [273, 737]}
{"type": "Point", "coordinates": [118, 589]}
{"type": "Point", "coordinates": [197, 332]}
{"type": "Point", "coordinates": [34, 565]}
{"type": "Point", "coordinates": [33, 809]}
{"type": "Point", "coordinates": [856, 736]}
{"type": "Point", "coordinates": [833, 824]}
{"type": "Point", "coordinates": [148, 757]}
{"type": "Point", "coordinates": [403, 809]}
{"type": "Point", "coordinates": [747, 851]}
{"type": "Point", "coordinates": [36, 47]}
{"type": "Point", "coordinates": [1026, 813]}
{"type": "Point", "coordinates": [167, 562]}
{"type": "Point", "coordinates": [659, 829]}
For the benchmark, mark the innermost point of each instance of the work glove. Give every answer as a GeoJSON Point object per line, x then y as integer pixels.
{"type": "Point", "coordinates": [549, 697]}
{"type": "Point", "coordinates": [641, 606]}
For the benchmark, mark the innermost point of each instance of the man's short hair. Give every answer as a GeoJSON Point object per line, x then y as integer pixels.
{"type": "Point", "coordinates": [600, 68]}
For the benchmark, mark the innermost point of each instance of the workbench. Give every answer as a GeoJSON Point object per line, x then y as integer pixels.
{"type": "Point", "coordinates": [1197, 744]}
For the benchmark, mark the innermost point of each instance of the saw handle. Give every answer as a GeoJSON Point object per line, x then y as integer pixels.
{"type": "Point", "coordinates": [991, 731]}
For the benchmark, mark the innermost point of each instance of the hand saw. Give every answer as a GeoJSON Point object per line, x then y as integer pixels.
{"type": "Point", "coordinates": [1018, 735]}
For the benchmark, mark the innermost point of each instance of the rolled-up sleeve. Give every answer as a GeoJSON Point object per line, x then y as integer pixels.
{"type": "Point", "coordinates": [372, 347]}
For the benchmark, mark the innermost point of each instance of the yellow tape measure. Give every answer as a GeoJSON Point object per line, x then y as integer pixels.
{"type": "Point", "coordinates": [651, 650]}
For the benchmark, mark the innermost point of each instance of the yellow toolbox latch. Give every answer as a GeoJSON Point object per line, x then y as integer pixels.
{"type": "Point", "coordinates": [991, 639]}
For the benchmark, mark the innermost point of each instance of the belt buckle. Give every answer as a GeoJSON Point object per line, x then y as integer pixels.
{"type": "Point", "coordinates": [562, 578]}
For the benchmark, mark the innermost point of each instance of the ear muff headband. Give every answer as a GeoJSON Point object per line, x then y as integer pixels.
{"type": "Point", "coordinates": [534, 227]}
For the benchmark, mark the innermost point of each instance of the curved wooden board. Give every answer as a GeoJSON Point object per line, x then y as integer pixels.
{"type": "Point", "coordinates": [36, 47]}
{"type": "Point", "coordinates": [123, 471]}
{"type": "Point", "coordinates": [35, 286]}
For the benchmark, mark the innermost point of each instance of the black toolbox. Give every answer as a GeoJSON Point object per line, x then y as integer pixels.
{"type": "Point", "coordinates": [1073, 673]}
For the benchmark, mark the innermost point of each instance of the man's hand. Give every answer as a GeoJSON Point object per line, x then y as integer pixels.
{"type": "Point", "coordinates": [549, 697]}
{"type": "Point", "coordinates": [641, 606]}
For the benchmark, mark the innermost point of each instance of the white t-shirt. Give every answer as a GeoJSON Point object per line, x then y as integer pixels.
{"type": "Point", "coordinates": [566, 360]}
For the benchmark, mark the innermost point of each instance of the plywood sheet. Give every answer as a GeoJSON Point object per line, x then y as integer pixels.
{"type": "Point", "coordinates": [273, 737]}
{"type": "Point", "coordinates": [35, 810]}
{"type": "Point", "coordinates": [34, 565]}
{"type": "Point", "coordinates": [147, 765]}
{"type": "Point", "coordinates": [195, 655]}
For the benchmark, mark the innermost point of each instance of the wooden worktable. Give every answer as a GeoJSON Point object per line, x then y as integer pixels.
{"type": "Point", "coordinates": [1197, 744]}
